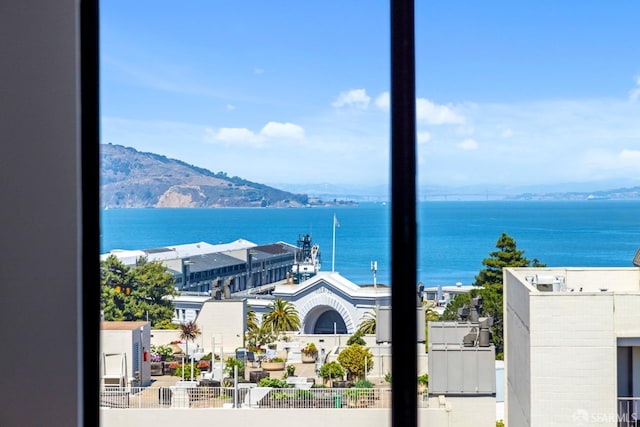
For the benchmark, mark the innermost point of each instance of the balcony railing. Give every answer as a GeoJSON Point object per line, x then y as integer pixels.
{"type": "Point", "coordinates": [628, 411]}
{"type": "Point", "coordinates": [229, 397]}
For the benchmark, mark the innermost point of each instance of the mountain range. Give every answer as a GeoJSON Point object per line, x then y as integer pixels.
{"type": "Point", "coordinates": [134, 179]}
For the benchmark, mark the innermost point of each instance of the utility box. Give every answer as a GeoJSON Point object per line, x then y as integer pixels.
{"type": "Point", "coordinates": [383, 324]}
{"type": "Point", "coordinates": [458, 364]}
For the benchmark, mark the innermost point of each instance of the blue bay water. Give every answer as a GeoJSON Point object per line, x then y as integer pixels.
{"type": "Point", "coordinates": [453, 237]}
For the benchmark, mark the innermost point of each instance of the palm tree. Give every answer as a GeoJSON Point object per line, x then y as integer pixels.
{"type": "Point", "coordinates": [282, 317]}
{"type": "Point", "coordinates": [189, 331]}
{"type": "Point", "coordinates": [368, 323]}
{"type": "Point", "coordinates": [430, 314]}
{"type": "Point", "coordinates": [252, 320]}
{"type": "Point", "coordinates": [259, 335]}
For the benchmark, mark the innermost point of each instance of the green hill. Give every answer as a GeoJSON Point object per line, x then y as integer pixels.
{"type": "Point", "coordinates": [134, 179]}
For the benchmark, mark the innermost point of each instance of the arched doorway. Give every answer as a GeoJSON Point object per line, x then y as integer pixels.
{"type": "Point", "coordinates": [322, 319]}
{"type": "Point", "coordinates": [330, 322]}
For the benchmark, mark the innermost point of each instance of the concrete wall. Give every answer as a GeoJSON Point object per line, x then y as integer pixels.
{"type": "Point", "coordinates": [620, 279]}
{"type": "Point", "coordinates": [573, 357]}
{"type": "Point", "coordinates": [164, 336]}
{"type": "Point", "coordinates": [224, 320]}
{"type": "Point", "coordinates": [593, 279]}
{"type": "Point", "coordinates": [269, 417]}
{"type": "Point", "coordinates": [479, 411]}
{"type": "Point", "coordinates": [627, 314]}
{"type": "Point", "coordinates": [517, 365]}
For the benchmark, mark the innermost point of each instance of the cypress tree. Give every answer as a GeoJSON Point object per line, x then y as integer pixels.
{"type": "Point", "coordinates": [489, 282]}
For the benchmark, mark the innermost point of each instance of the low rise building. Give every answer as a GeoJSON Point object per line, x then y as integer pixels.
{"type": "Point", "coordinates": [220, 270]}
{"type": "Point", "coordinates": [572, 346]}
{"type": "Point", "coordinates": [124, 358]}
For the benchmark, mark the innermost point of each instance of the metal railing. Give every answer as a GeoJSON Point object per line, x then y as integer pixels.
{"type": "Point", "coordinates": [229, 397]}
{"type": "Point", "coordinates": [327, 398]}
{"type": "Point", "coordinates": [628, 412]}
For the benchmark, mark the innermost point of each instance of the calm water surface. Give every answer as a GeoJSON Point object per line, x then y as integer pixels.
{"type": "Point", "coordinates": [453, 237]}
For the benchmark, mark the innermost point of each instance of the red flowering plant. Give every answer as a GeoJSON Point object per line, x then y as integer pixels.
{"type": "Point", "coordinates": [202, 364]}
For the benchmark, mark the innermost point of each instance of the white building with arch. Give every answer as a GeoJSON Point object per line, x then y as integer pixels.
{"type": "Point", "coordinates": [327, 303]}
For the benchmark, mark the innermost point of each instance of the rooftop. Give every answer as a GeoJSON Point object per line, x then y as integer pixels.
{"type": "Point", "coordinates": [578, 279]}
{"type": "Point", "coordinates": [122, 325]}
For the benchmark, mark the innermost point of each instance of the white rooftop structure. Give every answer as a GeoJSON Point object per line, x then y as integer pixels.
{"type": "Point", "coordinates": [572, 346]}
{"type": "Point", "coordinates": [165, 253]}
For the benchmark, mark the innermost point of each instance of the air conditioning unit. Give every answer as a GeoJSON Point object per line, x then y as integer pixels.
{"type": "Point", "coordinates": [544, 283]}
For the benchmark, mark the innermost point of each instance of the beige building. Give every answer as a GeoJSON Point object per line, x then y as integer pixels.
{"type": "Point", "coordinates": [124, 353]}
{"type": "Point", "coordinates": [572, 346]}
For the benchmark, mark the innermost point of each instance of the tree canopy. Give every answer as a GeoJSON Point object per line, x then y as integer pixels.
{"type": "Point", "coordinates": [489, 286]}
{"type": "Point", "coordinates": [368, 323]}
{"type": "Point", "coordinates": [507, 256]}
{"type": "Point", "coordinates": [355, 359]}
{"type": "Point", "coordinates": [282, 317]}
{"type": "Point", "coordinates": [258, 334]}
{"type": "Point", "coordinates": [138, 292]}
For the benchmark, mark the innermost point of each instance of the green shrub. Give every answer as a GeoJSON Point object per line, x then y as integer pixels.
{"type": "Point", "coordinates": [355, 359]}
{"type": "Point", "coordinates": [331, 370]}
{"type": "Point", "coordinates": [310, 349]}
{"type": "Point", "coordinates": [356, 338]}
{"type": "Point", "coordinates": [423, 379]}
{"type": "Point", "coordinates": [187, 371]}
{"type": "Point", "coordinates": [363, 384]}
{"type": "Point", "coordinates": [165, 324]}
{"type": "Point", "coordinates": [230, 364]}
{"type": "Point", "coordinates": [272, 382]}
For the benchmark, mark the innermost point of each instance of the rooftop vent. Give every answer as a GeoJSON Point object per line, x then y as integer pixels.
{"type": "Point", "coordinates": [547, 282]}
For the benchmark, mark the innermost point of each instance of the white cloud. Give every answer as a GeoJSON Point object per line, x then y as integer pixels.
{"type": "Point", "coordinates": [634, 94]}
{"type": "Point", "coordinates": [258, 71]}
{"type": "Point", "coordinates": [423, 137]}
{"type": "Point", "coordinates": [282, 130]}
{"type": "Point", "coordinates": [605, 163]}
{"type": "Point", "coordinates": [235, 135]}
{"type": "Point", "coordinates": [383, 101]}
{"type": "Point", "coordinates": [630, 156]}
{"type": "Point", "coordinates": [553, 141]}
{"type": "Point", "coordinates": [247, 137]}
{"type": "Point", "coordinates": [230, 107]}
{"type": "Point", "coordinates": [357, 98]}
{"type": "Point", "coordinates": [468, 145]}
{"type": "Point", "coordinates": [433, 114]}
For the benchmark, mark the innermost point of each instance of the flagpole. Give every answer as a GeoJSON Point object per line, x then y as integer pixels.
{"type": "Point", "coordinates": [333, 249]}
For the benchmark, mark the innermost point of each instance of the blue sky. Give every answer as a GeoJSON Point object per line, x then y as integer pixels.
{"type": "Point", "coordinates": [508, 93]}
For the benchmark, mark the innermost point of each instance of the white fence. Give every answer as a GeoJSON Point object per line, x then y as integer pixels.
{"type": "Point", "coordinates": [229, 397]}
